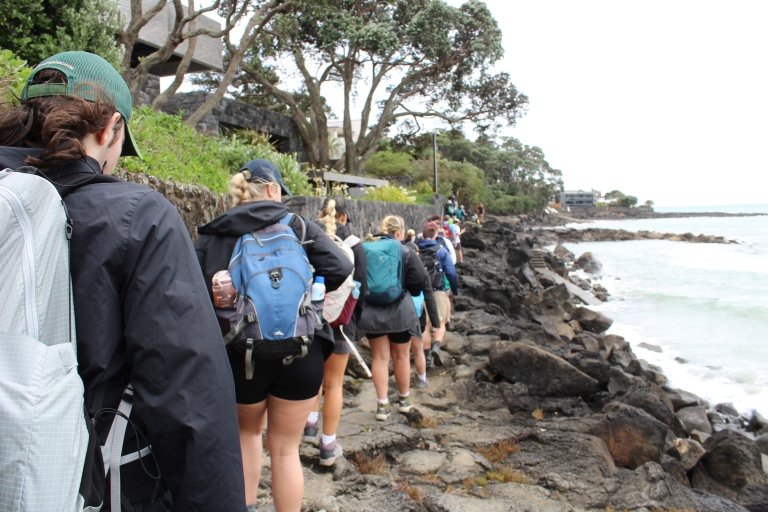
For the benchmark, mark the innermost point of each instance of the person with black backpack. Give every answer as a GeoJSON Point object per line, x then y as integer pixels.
{"type": "Point", "coordinates": [142, 320]}
{"type": "Point", "coordinates": [389, 319]}
{"type": "Point", "coordinates": [276, 393]}
{"type": "Point", "coordinates": [440, 268]}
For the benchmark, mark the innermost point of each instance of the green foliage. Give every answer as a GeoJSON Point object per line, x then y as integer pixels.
{"type": "Point", "coordinates": [389, 194]}
{"type": "Point", "coordinates": [173, 150]}
{"type": "Point", "coordinates": [420, 58]}
{"type": "Point", "coordinates": [384, 164]}
{"type": "Point", "coordinates": [36, 29]}
{"type": "Point", "coordinates": [627, 201]}
{"type": "Point", "coordinates": [13, 75]}
{"type": "Point", "coordinates": [501, 203]}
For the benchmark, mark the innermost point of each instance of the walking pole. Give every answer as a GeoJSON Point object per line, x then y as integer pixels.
{"type": "Point", "coordinates": [356, 353]}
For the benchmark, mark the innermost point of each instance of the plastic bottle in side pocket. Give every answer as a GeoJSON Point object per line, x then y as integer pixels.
{"type": "Point", "coordinates": [223, 290]}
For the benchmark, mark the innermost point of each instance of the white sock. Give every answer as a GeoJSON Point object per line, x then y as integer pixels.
{"type": "Point", "coordinates": [405, 395]}
{"type": "Point", "coordinates": [313, 416]}
{"type": "Point", "coordinates": [384, 401]}
{"type": "Point", "coordinates": [422, 376]}
{"type": "Point", "coordinates": [326, 440]}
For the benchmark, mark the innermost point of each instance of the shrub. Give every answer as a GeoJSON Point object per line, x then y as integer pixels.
{"type": "Point", "coordinates": [389, 194]}
{"type": "Point", "coordinates": [13, 74]}
{"type": "Point", "coordinates": [174, 151]}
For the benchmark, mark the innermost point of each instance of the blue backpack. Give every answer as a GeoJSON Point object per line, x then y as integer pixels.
{"type": "Point", "coordinates": [385, 270]}
{"type": "Point", "coordinates": [273, 317]}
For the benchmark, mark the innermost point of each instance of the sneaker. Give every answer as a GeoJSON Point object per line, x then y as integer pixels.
{"type": "Point", "coordinates": [428, 358]}
{"type": "Point", "coordinates": [329, 453]}
{"type": "Point", "coordinates": [404, 404]}
{"type": "Point", "coordinates": [310, 431]}
{"type": "Point", "coordinates": [437, 357]}
{"type": "Point", "coordinates": [421, 384]}
{"type": "Point", "coordinates": [382, 412]}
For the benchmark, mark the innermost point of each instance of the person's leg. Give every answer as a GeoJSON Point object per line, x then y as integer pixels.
{"type": "Point", "coordinates": [401, 358]}
{"type": "Point", "coordinates": [311, 427]}
{"type": "Point", "coordinates": [380, 374]}
{"type": "Point", "coordinates": [426, 342]}
{"type": "Point", "coordinates": [250, 418]}
{"type": "Point", "coordinates": [380, 366]}
{"type": "Point", "coordinates": [285, 424]}
{"type": "Point", "coordinates": [333, 385]}
{"type": "Point", "coordinates": [419, 361]}
{"type": "Point", "coordinates": [444, 311]}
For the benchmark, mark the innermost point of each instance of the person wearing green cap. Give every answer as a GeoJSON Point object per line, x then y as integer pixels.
{"type": "Point", "coordinates": [141, 309]}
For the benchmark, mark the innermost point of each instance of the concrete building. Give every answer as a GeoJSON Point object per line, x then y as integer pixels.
{"type": "Point", "coordinates": [208, 54]}
{"type": "Point", "coordinates": [578, 198]}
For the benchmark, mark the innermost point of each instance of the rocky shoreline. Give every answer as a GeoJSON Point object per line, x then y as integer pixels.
{"type": "Point", "coordinates": [536, 409]}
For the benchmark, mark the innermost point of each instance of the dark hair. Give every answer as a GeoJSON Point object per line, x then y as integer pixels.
{"type": "Point", "coordinates": [429, 231]}
{"type": "Point", "coordinates": [56, 124]}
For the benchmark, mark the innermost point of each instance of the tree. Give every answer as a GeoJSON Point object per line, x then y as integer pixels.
{"type": "Point", "coordinates": [37, 29]}
{"type": "Point", "coordinates": [385, 164]}
{"type": "Point", "coordinates": [627, 201]}
{"type": "Point", "coordinates": [402, 59]}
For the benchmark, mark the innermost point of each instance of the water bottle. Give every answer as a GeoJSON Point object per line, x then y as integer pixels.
{"type": "Point", "coordinates": [223, 291]}
{"type": "Point", "coordinates": [317, 295]}
{"type": "Point", "coordinates": [356, 290]}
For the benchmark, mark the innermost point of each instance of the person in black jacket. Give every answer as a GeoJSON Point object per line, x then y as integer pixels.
{"type": "Point", "coordinates": [279, 397]}
{"type": "Point", "coordinates": [333, 217]}
{"type": "Point", "coordinates": [140, 307]}
{"type": "Point", "coordinates": [389, 327]}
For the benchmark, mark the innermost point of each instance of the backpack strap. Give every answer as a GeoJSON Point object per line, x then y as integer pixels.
{"type": "Point", "coordinates": [292, 220]}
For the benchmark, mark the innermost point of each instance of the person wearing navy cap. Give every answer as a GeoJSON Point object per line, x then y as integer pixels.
{"type": "Point", "coordinates": [278, 397]}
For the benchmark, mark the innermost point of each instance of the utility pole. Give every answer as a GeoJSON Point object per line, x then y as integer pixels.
{"type": "Point", "coordinates": [434, 158]}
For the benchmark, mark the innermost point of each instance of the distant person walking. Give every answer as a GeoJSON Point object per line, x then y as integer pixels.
{"type": "Point", "coordinates": [434, 333]}
{"type": "Point", "coordinates": [390, 326]}
{"type": "Point", "coordinates": [480, 211]}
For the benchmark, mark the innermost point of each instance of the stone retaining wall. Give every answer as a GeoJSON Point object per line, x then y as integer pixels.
{"type": "Point", "coordinates": [198, 205]}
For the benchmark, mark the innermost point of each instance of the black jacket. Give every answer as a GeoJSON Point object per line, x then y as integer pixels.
{"type": "Point", "coordinates": [143, 316]}
{"type": "Point", "coordinates": [399, 316]}
{"type": "Point", "coordinates": [218, 238]}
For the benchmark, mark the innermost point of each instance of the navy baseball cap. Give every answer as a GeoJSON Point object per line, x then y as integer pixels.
{"type": "Point", "coordinates": [266, 171]}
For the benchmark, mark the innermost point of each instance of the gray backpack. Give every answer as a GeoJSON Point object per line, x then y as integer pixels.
{"type": "Point", "coordinates": [44, 430]}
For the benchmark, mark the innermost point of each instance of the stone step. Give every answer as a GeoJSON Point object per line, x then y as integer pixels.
{"type": "Point", "coordinates": [537, 259]}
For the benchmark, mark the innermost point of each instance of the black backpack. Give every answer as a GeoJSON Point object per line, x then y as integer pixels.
{"type": "Point", "coordinates": [435, 269]}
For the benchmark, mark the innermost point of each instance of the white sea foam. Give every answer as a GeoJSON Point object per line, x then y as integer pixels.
{"type": "Point", "coordinates": [705, 305]}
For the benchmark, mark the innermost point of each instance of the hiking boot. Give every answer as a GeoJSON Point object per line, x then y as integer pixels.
{"type": "Point", "coordinates": [428, 358]}
{"type": "Point", "coordinates": [421, 384]}
{"type": "Point", "coordinates": [437, 356]}
{"type": "Point", "coordinates": [329, 453]}
{"type": "Point", "coordinates": [382, 412]}
{"type": "Point", "coordinates": [404, 404]}
{"type": "Point", "coordinates": [310, 431]}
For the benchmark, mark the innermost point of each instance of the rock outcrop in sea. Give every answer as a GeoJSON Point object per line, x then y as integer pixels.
{"type": "Point", "coordinates": [536, 409]}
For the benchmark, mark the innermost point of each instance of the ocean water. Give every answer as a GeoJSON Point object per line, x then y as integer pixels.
{"type": "Point", "coordinates": [703, 307]}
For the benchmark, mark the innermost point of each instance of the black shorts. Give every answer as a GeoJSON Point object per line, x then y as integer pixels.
{"type": "Point", "coordinates": [394, 337]}
{"type": "Point", "coordinates": [299, 380]}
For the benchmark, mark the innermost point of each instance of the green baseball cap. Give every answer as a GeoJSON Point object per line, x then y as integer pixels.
{"type": "Point", "coordinates": [89, 77]}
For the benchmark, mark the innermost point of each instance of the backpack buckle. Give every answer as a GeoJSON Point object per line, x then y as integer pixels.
{"type": "Point", "coordinates": [275, 276]}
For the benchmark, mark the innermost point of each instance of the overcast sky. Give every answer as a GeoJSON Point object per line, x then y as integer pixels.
{"type": "Point", "coordinates": [663, 100]}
